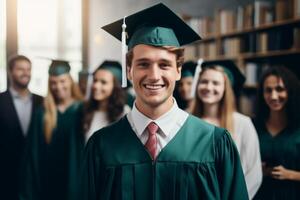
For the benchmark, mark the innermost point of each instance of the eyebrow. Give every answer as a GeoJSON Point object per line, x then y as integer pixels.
{"type": "Point", "coordinates": [147, 59]}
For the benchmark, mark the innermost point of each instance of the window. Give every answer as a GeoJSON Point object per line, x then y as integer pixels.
{"type": "Point", "coordinates": [49, 29]}
{"type": "Point", "coordinates": [2, 45]}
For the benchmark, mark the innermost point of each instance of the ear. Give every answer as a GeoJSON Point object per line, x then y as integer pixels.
{"type": "Point", "coordinates": [129, 71]}
{"type": "Point", "coordinates": [178, 73]}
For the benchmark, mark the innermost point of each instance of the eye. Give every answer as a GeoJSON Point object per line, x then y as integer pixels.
{"type": "Point", "coordinates": [280, 89]}
{"type": "Point", "coordinates": [103, 82]}
{"type": "Point", "coordinates": [164, 65]}
{"type": "Point", "coordinates": [203, 81]}
{"type": "Point", "coordinates": [216, 83]}
{"type": "Point", "coordinates": [267, 90]}
{"type": "Point", "coordinates": [143, 64]}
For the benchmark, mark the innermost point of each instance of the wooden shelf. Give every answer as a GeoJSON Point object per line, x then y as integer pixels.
{"type": "Point", "coordinates": [265, 27]}
{"type": "Point", "coordinates": [257, 55]}
{"type": "Point", "coordinates": [270, 54]}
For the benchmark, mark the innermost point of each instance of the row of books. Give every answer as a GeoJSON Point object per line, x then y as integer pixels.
{"type": "Point", "coordinates": [252, 15]}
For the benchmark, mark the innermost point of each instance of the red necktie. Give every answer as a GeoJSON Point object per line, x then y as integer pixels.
{"type": "Point", "coordinates": [151, 143]}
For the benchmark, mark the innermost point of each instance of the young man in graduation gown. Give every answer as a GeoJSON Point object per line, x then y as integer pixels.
{"type": "Point", "coordinates": [158, 151]}
{"type": "Point", "coordinates": [17, 105]}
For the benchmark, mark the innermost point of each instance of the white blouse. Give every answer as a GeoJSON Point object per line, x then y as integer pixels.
{"type": "Point", "coordinates": [100, 120]}
{"type": "Point", "coordinates": [247, 143]}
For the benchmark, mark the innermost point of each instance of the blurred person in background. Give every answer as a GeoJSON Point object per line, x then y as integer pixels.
{"type": "Point", "coordinates": [107, 102]}
{"type": "Point", "coordinates": [56, 140]}
{"type": "Point", "coordinates": [17, 105]}
{"type": "Point", "coordinates": [215, 103]}
{"type": "Point", "coordinates": [277, 123]}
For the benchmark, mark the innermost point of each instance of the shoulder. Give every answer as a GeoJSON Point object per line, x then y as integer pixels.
{"type": "Point", "coordinates": [37, 97]}
{"type": "Point", "coordinates": [239, 117]}
{"type": "Point", "coordinates": [4, 95]}
{"type": "Point", "coordinates": [112, 130]}
{"type": "Point", "coordinates": [126, 109]}
{"type": "Point", "coordinates": [204, 129]}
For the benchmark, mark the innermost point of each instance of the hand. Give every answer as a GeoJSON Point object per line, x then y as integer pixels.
{"type": "Point", "coordinates": [281, 173]}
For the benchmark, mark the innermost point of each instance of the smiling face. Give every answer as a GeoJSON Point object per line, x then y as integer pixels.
{"type": "Point", "coordinates": [61, 86]}
{"type": "Point", "coordinates": [211, 86]}
{"type": "Point", "coordinates": [275, 93]}
{"type": "Point", "coordinates": [153, 72]}
{"type": "Point", "coordinates": [20, 74]}
{"type": "Point", "coordinates": [103, 83]}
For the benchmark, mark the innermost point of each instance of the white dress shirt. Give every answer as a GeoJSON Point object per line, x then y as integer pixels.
{"type": "Point", "coordinates": [169, 124]}
{"type": "Point", "coordinates": [23, 107]}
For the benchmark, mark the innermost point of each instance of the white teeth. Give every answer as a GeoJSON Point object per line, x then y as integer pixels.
{"type": "Point", "coordinates": [153, 87]}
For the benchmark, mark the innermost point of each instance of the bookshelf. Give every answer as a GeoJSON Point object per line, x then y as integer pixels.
{"type": "Point", "coordinates": [255, 36]}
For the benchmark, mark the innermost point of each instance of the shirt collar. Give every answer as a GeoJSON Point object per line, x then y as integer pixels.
{"type": "Point", "coordinates": [16, 95]}
{"type": "Point", "coordinates": [165, 122]}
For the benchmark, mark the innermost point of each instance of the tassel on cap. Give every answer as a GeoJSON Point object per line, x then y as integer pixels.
{"type": "Point", "coordinates": [124, 52]}
{"type": "Point", "coordinates": [196, 77]}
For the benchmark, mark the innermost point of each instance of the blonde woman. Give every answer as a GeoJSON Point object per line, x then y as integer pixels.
{"type": "Point", "coordinates": [55, 142]}
{"type": "Point", "coordinates": [215, 103]}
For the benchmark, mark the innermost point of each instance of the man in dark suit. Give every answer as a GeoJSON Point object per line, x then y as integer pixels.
{"type": "Point", "coordinates": [17, 105]}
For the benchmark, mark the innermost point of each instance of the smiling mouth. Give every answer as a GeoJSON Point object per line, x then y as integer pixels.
{"type": "Point", "coordinates": [153, 86]}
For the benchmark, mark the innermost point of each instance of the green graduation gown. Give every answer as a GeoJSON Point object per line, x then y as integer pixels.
{"type": "Point", "coordinates": [283, 149]}
{"type": "Point", "coordinates": [200, 162]}
{"type": "Point", "coordinates": [51, 170]}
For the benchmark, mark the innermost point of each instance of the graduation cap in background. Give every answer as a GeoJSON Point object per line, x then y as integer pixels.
{"type": "Point", "coordinates": [155, 26]}
{"type": "Point", "coordinates": [188, 69]}
{"type": "Point", "coordinates": [237, 79]}
{"type": "Point", "coordinates": [59, 67]}
{"type": "Point", "coordinates": [114, 67]}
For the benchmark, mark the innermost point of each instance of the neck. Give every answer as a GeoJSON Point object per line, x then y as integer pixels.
{"type": "Point", "coordinates": [64, 103]}
{"type": "Point", "coordinates": [154, 112]}
{"type": "Point", "coordinates": [211, 110]}
{"type": "Point", "coordinates": [211, 114]}
{"type": "Point", "coordinates": [102, 105]}
{"type": "Point", "coordinates": [277, 120]}
{"type": "Point", "coordinates": [21, 91]}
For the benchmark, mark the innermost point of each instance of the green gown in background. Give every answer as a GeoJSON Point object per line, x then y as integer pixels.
{"type": "Point", "coordinates": [51, 170]}
{"type": "Point", "coordinates": [283, 149]}
{"type": "Point", "coordinates": [200, 162]}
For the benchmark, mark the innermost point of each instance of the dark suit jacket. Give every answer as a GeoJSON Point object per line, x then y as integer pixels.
{"type": "Point", "coordinates": [12, 142]}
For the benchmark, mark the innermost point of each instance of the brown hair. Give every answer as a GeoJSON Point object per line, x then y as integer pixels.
{"type": "Point", "coordinates": [178, 51]}
{"type": "Point", "coordinates": [12, 61]}
{"type": "Point", "coordinates": [226, 105]}
{"type": "Point", "coordinates": [50, 115]}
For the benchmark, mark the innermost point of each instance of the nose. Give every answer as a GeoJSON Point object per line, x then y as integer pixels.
{"type": "Point", "coordinates": [154, 72]}
{"type": "Point", "coordinates": [274, 94]}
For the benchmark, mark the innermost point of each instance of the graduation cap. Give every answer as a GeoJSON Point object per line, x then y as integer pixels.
{"type": "Point", "coordinates": [155, 26]}
{"type": "Point", "coordinates": [237, 79]}
{"type": "Point", "coordinates": [114, 67]}
{"type": "Point", "coordinates": [188, 69]}
{"type": "Point", "coordinates": [59, 67]}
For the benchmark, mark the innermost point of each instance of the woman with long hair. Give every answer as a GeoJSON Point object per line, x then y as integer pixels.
{"type": "Point", "coordinates": [215, 103]}
{"type": "Point", "coordinates": [277, 124]}
{"type": "Point", "coordinates": [107, 100]}
{"type": "Point", "coordinates": [55, 142]}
